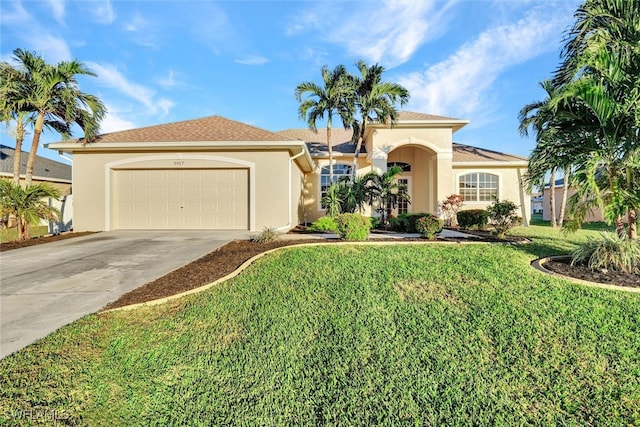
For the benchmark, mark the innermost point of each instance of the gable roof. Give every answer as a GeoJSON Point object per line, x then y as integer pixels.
{"type": "Point", "coordinates": [43, 168]}
{"type": "Point", "coordinates": [468, 153]}
{"type": "Point", "coordinates": [213, 128]}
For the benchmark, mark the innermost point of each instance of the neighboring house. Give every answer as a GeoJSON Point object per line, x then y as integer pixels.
{"type": "Point", "coordinates": [537, 205]}
{"type": "Point", "coordinates": [594, 216]}
{"type": "Point", "coordinates": [45, 170]}
{"type": "Point", "coordinates": [216, 173]}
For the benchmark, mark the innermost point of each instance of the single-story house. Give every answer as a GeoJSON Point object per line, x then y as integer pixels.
{"type": "Point", "coordinates": [537, 205]}
{"type": "Point", "coordinates": [57, 174]}
{"type": "Point", "coordinates": [594, 216]}
{"type": "Point", "coordinates": [216, 173]}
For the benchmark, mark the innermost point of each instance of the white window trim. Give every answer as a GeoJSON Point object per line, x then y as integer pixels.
{"type": "Point", "coordinates": [477, 171]}
{"type": "Point", "coordinates": [320, 166]}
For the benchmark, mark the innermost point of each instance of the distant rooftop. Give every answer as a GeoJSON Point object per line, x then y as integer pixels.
{"type": "Point", "coordinates": [467, 153]}
{"type": "Point", "coordinates": [44, 167]}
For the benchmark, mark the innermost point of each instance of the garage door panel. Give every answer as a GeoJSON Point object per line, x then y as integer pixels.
{"type": "Point", "coordinates": [180, 199]}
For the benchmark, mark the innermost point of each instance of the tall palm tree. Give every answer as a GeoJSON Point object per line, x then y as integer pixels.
{"type": "Point", "coordinates": [28, 205]}
{"type": "Point", "coordinates": [334, 98]}
{"type": "Point", "coordinates": [375, 101]}
{"type": "Point", "coordinates": [601, 72]}
{"type": "Point", "coordinates": [56, 101]}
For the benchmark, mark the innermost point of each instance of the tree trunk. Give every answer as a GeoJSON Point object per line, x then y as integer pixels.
{"type": "Point", "coordinates": [37, 130]}
{"type": "Point", "coordinates": [330, 149]}
{"type": "Point", "coordinates": [620, 228]}
{"type": "Point", "coordinates": [563, 203]}
{"type": "Point", "coordinates": [632, 217]}
{"type": "Point", "coordinates": [18, 152]}
{"type": "Point", "coordinates": [552, 197]}
{"type": "Point", "coordinates": [358, 147]}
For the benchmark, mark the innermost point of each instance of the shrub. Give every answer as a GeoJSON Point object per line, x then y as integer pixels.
{"type": "Point", "coordinates": [326, 224]}
{"type": "Point", "coordinates": [407, 222]}
{"type": "Point", "coordinates": [353, 226]}
{"type": "Point", "coordinates": [609, 251]}
{"type": "Point", "coordinates": [429, 225]}
{"type": "Point", "coordinates": [450, 207]}
{"type": "Point", "coordinates": [473, 218]}
{"type": "Point", "coordinates": [503, 216]}
{"type": "Point", "coordinates": [375, 222]}
{"type": "Point", "coordinates": [266, 235]}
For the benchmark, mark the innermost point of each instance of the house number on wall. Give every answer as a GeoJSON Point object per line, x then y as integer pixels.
{"type": "Point", "coordinates": [178, 163]}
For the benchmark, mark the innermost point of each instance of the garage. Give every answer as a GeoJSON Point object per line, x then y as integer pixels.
{"type": "Point", "coordinates": [180, 199]}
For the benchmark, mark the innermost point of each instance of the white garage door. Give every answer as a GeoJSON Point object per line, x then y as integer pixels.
{"type": "Point", "coordinates": [181, 199]}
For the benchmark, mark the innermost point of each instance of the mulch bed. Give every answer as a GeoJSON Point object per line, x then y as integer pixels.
{"type": "Point", "coordinates": [583, 272]}
{"type": "Point", "coordinates": [17, 244]}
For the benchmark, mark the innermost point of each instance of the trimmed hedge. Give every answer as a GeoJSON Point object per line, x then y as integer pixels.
{"type": "Point", "coordinates": [353, 226]}
{"type": "Point", "coordinates": [325, 224]}
{"type": "Point", "coordinates": [473, 218]}
{"type": "Point", "coordinates": [406, 222]}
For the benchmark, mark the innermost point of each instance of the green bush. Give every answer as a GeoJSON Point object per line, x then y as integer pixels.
{"type": "Point", "coordinates": [609, 251]}
{"type": "Point", "coordinates": [353, 226]}
{"type": "Point", "coordinates": [503, 216]}
{"type": "Point", "coordinates": [429, 225]}
{"type": "Point", "coordinates": [374, 221]}
{"type": "Point", "coordinates": [266, 235]}
{"type": "Point", "coordinates": [326, 224]}
{"type": "Point", "coordinates": [406, 222]}
{"type": "Point", "coordinates": [473, 218]}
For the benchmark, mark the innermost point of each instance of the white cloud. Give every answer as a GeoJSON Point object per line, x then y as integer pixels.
{"type": "Point", "coordinates": [169, 81]}
{"type": "Point", "coordinates": [103, 11]}
{"type": "Point", "coordinates": [252, 60]}
{"type": "Point", "coordinates": [57, 7]}
{"type": "Point", "coordinates": [16, 16]}
{"type": "Point", "coordinates": [53, 49]}
{"type": "Point", "coordinates": [137, 23]}
{"type": "Point", "coordinates": [462, 83]}
{"type": "Point", "coordinates": [393, 31]}
{"type": "Point", "coordinates": [111, 77]}
{"type": "Point", "coordinates": [113, 122]}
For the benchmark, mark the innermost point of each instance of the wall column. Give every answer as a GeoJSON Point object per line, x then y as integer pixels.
{"type": "Point", "coordinates": [444, 176]}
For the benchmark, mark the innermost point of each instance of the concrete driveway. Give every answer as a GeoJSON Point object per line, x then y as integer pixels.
{"type": "Point", "coordinates": [48, 286]}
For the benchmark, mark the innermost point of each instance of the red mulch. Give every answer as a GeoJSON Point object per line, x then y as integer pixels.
{"type": "Point", "coordinates": [17, 244]}
{"type": "Point", "coordinates": [583, 272]}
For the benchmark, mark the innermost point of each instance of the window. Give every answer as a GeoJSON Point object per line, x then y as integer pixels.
{"type": "Point", "coordinates": [339, 172]}
{"type": "Point", "coordinates": [406, 167]}
{"type": "Point", "coordinates": [479, 187]}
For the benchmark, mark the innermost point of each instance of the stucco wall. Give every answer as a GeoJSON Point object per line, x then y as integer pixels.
{"type": "Point", "coordinates": [594, 216]}
{"type": "Point", "coordinates": [509, 188]}
{"type": "Point", "coordinates": [310, 196]}
{"type": "Point", "coordinates": [92, 181]}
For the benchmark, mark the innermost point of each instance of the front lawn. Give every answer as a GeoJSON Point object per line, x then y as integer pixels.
{"type": "Point", "coordinates": [418, 335]}
{"type": "Point", "coordinates": [11, 234]}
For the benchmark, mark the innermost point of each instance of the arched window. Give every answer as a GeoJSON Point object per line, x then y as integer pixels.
{"type": "Point", "coordinates": [479, 187]}
{"type": "Point", "coordinates": [340, 171]}
{"type": "Point", "coordinates": [406, 167]}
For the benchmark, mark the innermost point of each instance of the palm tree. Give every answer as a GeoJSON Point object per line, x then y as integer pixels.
{"type": "Point", "coordinates": [55, 100]}
{"type": "Point", "coordinates": [375, 101]}
{"type": "Point", "coordinates": [29, 205]}
{"type": "Point", "coordinates": [336, 97]}
{"type": "Point", "coordinates": [12, 97]}
{"type": "Point", "coordinates": [387, 192]}
{"type": "Point", "coordinates": [601, 73]}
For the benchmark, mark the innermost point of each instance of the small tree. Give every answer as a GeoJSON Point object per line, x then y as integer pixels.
{"type": "Point", "coordinates": [28, 205]}
{"type": "Point", "coordinates": [450, 207]}
{"type": "Point", "coordinates": [503, 216]}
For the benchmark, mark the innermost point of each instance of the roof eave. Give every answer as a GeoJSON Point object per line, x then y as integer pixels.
{"type": "Point", "coordinates": [494, 163]}
{"type": "Point", "coordinates": [454, 124]}
{"type": "Point", "coordinates": [293, 146]}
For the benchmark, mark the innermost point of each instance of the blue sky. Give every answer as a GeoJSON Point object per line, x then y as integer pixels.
{"type": "Point", "coordinates": [165, 61]}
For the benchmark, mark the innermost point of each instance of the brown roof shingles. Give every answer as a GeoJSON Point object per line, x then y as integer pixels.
{"type": "Point", "coordinates": [214, 128]}
{"type": "Point", "coordinates": [467, 153]}
{"type": "Point", "coordinates": [413, 116]}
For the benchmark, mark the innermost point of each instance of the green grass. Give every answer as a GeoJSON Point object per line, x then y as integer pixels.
{"type": "Point", "coordinates": [11, 234]}
{"type": "Point", "coordinates": [352, 335]}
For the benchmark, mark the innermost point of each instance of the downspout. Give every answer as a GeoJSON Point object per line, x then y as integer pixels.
{"type": "Point", "coordinates": [289, 225]}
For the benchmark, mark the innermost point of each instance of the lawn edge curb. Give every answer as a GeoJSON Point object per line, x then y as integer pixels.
{"type": "Point", "coordinates": [251, 260]}
{"type": "Point", "coordinates": [538, 264]}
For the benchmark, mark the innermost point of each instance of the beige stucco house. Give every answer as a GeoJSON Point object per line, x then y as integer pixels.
{"type": "Point", "coordinates": [216, 173]}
